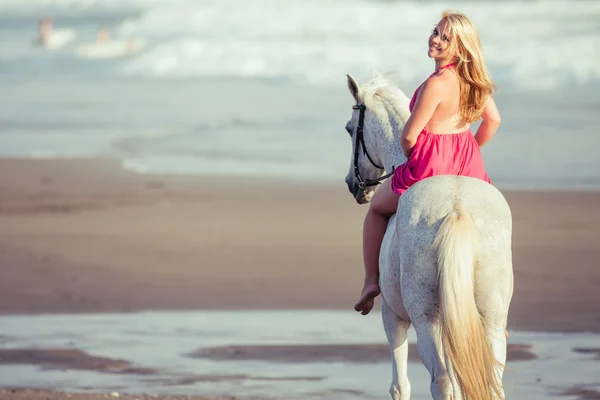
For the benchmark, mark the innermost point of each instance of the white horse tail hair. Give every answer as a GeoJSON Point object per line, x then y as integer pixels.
{"type": "Point", "coordinates": [463, 335]}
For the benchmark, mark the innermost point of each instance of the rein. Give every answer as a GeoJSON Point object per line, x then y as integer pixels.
{"type": "Point", "coordinates": [363, 184]}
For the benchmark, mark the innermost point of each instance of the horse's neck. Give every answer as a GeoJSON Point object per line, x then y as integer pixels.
{"type": "Point", "coordinates": [393, 155]}
{"type": "Point", "coordinates": [389, 133]}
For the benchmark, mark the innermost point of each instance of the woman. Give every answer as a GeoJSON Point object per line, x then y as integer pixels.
{"type": "Point", "coordinates": [436, 138]}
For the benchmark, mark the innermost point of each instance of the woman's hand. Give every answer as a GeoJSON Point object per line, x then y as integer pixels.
{"type": "Point", "coordinates": [489, 125]}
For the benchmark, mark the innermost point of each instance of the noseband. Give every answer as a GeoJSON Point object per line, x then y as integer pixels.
{"type": "Point", "coordinates": [363, 184]}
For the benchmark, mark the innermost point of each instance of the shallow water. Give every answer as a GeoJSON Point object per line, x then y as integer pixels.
{"type": "Point", "coordinates": [163, 341]}
{"type": "Point", "coordinates": [254, 128]}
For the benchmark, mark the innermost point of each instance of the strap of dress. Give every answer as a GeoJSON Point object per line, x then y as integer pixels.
{"type": "Point", "coordinates": [441, 68]}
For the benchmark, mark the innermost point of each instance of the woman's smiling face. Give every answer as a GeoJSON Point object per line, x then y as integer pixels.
{"type": "Point", "coordinates": [439, 42]}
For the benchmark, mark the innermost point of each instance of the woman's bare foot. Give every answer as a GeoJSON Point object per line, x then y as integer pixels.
{"type": "Point", "coordinates": [367, 298]}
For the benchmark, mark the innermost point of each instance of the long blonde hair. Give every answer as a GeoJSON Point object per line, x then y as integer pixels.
{"type": "Point", "coordinates": [475, 82]}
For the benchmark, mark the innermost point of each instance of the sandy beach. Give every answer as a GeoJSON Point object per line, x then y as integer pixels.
{"type": "Point", "coordinates": [86, 236]}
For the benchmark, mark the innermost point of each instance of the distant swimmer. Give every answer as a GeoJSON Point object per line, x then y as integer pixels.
{"type": "Point", "coordinates": [106, 46]}
{"type": "Point", "coordinates": [45, 30]}
{"type": "Point", "coordinates": [131, 46]}
{"type": "Point", "coordinates": [103, 35]}
{"type": "Point", "coordinates": [51, 38]}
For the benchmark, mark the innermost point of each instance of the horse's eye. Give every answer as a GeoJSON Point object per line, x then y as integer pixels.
{"type": "Point", "coordinates": [349, 129]}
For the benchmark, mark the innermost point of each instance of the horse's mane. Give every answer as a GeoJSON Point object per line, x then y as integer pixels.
{"type": "Point", "coordinates": [381, 94]}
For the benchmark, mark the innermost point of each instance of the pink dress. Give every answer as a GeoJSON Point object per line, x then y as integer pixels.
{"type": "Point", "coordinates": [439, 154]}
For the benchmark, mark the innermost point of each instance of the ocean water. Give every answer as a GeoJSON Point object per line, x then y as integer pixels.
{"type": "Point", "coordinates": [164, 340]}
{"type": "Point", "coordinates": [258, 88]}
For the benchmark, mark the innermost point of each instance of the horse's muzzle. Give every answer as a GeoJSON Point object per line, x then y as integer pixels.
{"type": "Point", "coordinates": [362, 196]}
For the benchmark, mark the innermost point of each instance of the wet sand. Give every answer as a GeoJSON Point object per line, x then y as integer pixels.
{"type": "Point", "coordinates": [348, 353]}
{"type": "Point", "coordinates": [592, 351]}
{"type": "Point", "coordinates": [68, 358]}
{"type": "Point", "coordinates": [31, 394]}
{"type": "Point", "coordinates": [299, 355]}
{"type": "Point", "coordinates": [582, 393]}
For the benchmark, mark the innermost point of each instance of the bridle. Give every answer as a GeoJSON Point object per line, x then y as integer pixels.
{"type": "Point", "coordinates": [363, 184]}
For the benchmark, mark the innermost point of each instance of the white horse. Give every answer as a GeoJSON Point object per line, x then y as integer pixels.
{"type": "Point", "coordinates": [445, 264]}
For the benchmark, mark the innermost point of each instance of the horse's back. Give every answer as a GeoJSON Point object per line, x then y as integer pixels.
{"type": "Point", "coordinates": [409, 259]}
{"type": "Point", "coordinates": [433, 198]}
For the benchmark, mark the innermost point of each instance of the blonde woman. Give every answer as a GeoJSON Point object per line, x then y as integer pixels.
{"type": "Point", "coordinates": [436, 138]}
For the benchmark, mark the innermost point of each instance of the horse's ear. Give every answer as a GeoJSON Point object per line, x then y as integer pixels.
{"type": "Point", "coordinates": [376, 74]}
{"type": "Point", "coordinates": [353, 87]}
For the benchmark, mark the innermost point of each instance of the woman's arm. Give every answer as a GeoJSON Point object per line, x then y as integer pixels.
{"type": "Point", "coordinates": [428, 100]}
{"type": "Point", "coordinates": [489, 125]}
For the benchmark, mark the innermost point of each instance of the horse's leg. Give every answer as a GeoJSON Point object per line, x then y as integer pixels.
{"type": "Point", "coordinates": [497, 339]}
{"type": "Point", "coordinates": [429, 342]}
{"type": "Point", "coordinates": [493, 295]}
{"type": "Point", "coordinates": [396, 330]}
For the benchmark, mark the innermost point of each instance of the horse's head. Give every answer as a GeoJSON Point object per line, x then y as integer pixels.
{"type": "Point", "coordinates": [374, 127]}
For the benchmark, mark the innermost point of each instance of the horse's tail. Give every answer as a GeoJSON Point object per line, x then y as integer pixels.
{"type": "Point", "coordinates": [463, 335]}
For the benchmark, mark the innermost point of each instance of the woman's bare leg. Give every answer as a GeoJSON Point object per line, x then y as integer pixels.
{"type": "Point", "coordinates": [383, 205]}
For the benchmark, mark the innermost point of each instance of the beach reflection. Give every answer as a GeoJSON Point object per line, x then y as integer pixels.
{"type": "Point", "coordinates": [266, 354]}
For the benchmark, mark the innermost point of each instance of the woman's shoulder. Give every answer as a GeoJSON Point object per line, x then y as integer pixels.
{"type": "Point", "coordinates": [441, 81]}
